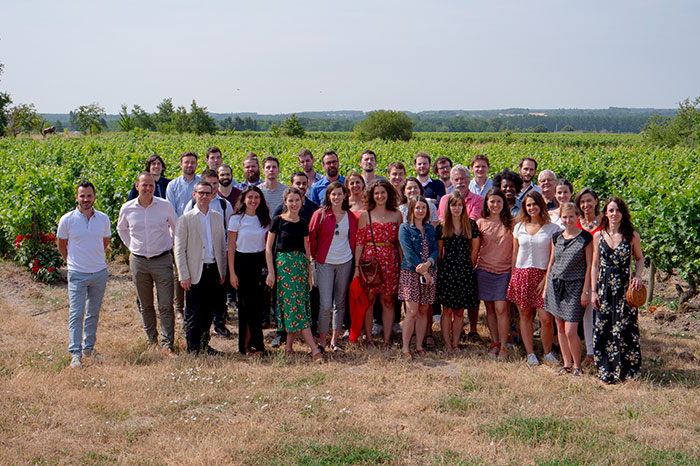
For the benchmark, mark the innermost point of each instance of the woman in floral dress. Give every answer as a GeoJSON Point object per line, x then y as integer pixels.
{"type": "Point", "coordinates": [615, 328]}
{"type": "Point", "coordinates": [378, 236]}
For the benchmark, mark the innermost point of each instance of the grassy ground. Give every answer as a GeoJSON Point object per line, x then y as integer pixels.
{"type": "Point", "coordinates": [367, 407]}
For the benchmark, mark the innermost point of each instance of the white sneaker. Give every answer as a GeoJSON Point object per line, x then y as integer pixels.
{"type": "Point", "coordinates": [532, 360]}
{"type": "Point", "coordinates": [397, 329]}
{"type": "Point", "coordinates": [549, 358]}
{"type": "Point", "coordinates": [437, 318]}
{"type": "Point", "coordinates": [377, 329]}
{"type": "Point", "coordinates": [75, 362]}
{"type": "Point", "coordinates": [94, 354]}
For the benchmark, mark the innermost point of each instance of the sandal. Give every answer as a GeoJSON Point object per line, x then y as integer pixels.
{"type": "Point", "coordinates": [502, 354]}
{"type": "Point", "coordinates": [474, 337]}
{"type": "Point", "coordinates": [577, 372]}
{"type": "Point", "coordinates": [430, 343]}
{"type": "Point", "coordinates": [406, 356]}
{"type": "Point", "coordinates": [563, 371]}
{"type": "Point", "coordinates": [494, 350]}
{"type": "Point", "coordinates": [421, 352]}
{"type": "Point", "coordinates": [337, 349]}
{"type": "Point", "coordinates": [386, 346]}
{"type": "Point", "coordinates": [318, 357]}
{"type": "Point", "coordinates": [587, 361]}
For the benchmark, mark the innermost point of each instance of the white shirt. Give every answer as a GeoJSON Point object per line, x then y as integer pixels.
{"type": "Point", "coordinates": [251, 235]}
{"type": "Point", "coordinates": [86, 250]}
{"type": "Point", "coordinates": [215, 204]}
{"type": "Point", "coordinates": [147, 231]}
{"type": "Point", "coordinates": [534, 250]}
{"type": "Point", "coordinates": [339, 251]}
{"type": "Point", "coordinates": [205, 222]}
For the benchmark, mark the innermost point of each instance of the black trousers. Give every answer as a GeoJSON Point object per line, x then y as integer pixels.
{"type": "Point", "coordinates": [251, 302]}
{"type": "Point", "coordinates": [200, 300]}
{"type": "Point", "coordinates": [221, 306]}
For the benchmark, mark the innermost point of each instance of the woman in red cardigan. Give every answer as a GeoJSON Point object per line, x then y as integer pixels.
{"type": "Point", "coordinates": [332, 234]}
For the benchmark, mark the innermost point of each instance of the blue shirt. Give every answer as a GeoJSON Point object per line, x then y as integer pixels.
{"type": "Point", "coordinates": [474, 187]}
{"type": "Point", "coordinates": [245, 183]}
{"type": "Point", "coordinates": [434, 189]}
{"type": "Point", "coordinates": [179, 193]}
{"type": "Point", "coordinates": [318, 190]}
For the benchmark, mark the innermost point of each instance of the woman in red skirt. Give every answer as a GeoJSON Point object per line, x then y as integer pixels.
{"type": "Point", "coordinates": [532, 242]}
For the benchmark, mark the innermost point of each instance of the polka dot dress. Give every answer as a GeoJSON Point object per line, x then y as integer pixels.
{"type": "Point", "coordinates": [456, 282]}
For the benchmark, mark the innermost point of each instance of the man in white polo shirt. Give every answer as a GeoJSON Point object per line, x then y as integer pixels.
{"type": "Point", "coordinates": [83, 235]}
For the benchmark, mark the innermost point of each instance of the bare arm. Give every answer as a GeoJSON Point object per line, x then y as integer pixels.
{"type": "Point", "coordinates": [307, 250]}
{"type": "Point", "coordinates": [270, 281]}
{"type": "Point", "coordinates": [476, 245]}
{"type": "Point", "coordinates": [232, 236]}
{"type": "Point", "coordinates": [595, 265]}
{"type": "Point", "coordinates": [63, 247]}
{"type": "Point", "coordinates": [586, 293]}
{"type": "Point", "coordinates": [638, 261]}
{"type": "Point", "coordinates": [549, 269]}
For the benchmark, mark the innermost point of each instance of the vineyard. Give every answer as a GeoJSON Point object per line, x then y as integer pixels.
{"type": "Point", "coordinates": [661, 185]}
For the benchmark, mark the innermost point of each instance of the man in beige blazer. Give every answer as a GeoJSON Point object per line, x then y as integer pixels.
{"type": "Point", "coordinates": [200, 256]}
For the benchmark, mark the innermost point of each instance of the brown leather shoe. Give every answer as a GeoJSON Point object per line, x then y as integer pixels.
{"type": "Point", "coordinates": [170, 353]}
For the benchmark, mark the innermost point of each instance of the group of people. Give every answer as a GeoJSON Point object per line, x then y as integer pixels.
{"type": "Point", "coordinates": [367, 247]}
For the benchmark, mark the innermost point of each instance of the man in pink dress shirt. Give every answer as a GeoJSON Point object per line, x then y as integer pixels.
{"type": "Point", "coordinates": [459, 175]}
{"type": "Point", "coordinates": [146, 225]}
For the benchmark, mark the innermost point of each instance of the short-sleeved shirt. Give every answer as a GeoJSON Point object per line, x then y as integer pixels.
{"type": "Point", "coordinates": [534, 250]}
{"type": "Point", "coordinates": [289, 235]}
{"type": "Point", "coordinates": [273, 198]}
{"type": "Point", "coordinates": [86, 250]}
{"type": "Point", "coordinates": [250, 234]}
{"type": "Point", "coordinates": [496, 250]}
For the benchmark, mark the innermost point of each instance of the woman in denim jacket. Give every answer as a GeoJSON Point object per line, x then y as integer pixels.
{"type": "Point", "coordinates": [417, 279]}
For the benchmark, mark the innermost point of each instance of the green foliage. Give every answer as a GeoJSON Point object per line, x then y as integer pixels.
{"type": "Point", "coordinates": [142, 118]}
{"type": "Point", "coordinates": [661, 185]}
{"type": "Point", "coordinates": [5, 100]}
{"type": "Point", "coordinates": [683, 129]}
{"type": "Point", "coordinates": [539, 129]}
{"type": "Point", "coordinates": [568, 128]}
{"type": "Point", "coordinates": [40, 256]}
{"type": "Point", "coordinates": [89, 118]}
{"type": "Point", "coordinates": [126, 122]}
{"type": "Point", "coordinates": [181, 120]}
{"type": "Point", "coordinates": [388, 125]}
{"type": "Point", "coordinates": [200, 121]}
{"type": "Point", "coordinates": [292, 127]}
{"type": "Point", "coordinates": [24, 119]}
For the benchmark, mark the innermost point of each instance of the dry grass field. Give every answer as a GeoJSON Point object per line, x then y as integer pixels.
{"type": "Point", "coordinates": [366, 407]}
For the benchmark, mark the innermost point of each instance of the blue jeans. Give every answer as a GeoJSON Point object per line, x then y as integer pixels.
{"type": "Point", "coordinates": [84, 290]}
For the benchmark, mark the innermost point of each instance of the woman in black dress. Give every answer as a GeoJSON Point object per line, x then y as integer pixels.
{"type": "Point", "coordinates": [458, 247]}
{"type": "Point", "coordinates": [615, 328]}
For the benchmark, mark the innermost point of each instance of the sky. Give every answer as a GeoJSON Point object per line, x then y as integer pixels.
{"type": "Point", "coordinates": [274, 57]}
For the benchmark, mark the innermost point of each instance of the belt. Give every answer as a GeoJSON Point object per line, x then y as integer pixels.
{"type": "Point", "coordinates": [209, 265]}
{"type": "Point", "coordinates": [379, 244]}
{"type": "Point", "coordinates": [152, 257]}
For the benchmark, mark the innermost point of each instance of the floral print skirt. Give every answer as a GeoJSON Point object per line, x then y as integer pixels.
{"type": "Point", "coordinates": [293, 296]}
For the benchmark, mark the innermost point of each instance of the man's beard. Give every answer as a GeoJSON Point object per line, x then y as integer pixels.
{"type": "Point", "coordinates": [332, 172]}
{"type": "Point", "coordinates": [225, 183]}
{"type": "Point", "coordinates": [254, 178]}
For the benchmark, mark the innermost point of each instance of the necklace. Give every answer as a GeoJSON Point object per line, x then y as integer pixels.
{"type": "Point", "coordinates": [589, 225]}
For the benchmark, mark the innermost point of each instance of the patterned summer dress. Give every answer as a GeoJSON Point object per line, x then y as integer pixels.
{"type": "Point", "coordinates": [387, 236]}
{"type": "Point", "coordinates": [457, 288]}
{"type": "Point", "coordinates": [615, 328]}
{"type": "Point", "coordinates": [410, 287]}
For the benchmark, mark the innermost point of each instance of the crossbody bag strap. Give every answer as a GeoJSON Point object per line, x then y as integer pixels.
{"type": "Point", "coordinates": [371, 231]}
